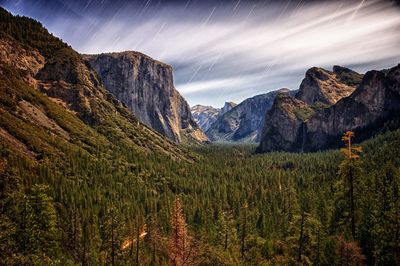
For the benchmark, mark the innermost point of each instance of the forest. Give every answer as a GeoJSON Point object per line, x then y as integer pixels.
{"type": "Point", "coordinates": [229, 207]}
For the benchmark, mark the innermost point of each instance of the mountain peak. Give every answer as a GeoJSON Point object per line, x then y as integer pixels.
{"type": "Point", "coordinates": [322, 86]}
{"type": "Point", "coordinates": [227, 107]}
{"type": "Point", "coordinates": [347, 76]}
{"type": "Point", "coordinates": [299, 124]}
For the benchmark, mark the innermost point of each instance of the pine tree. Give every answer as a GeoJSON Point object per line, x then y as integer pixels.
{"type": "Point", "coordinates": [348, 170]}
{"type": "Point", "coordinates": [243, 230]}
{"type": "Point", "coordinates": [39, 228]}
{"type": "Point", "coordinates": [181, 249]}
{"type": "Point", "coordinates": [156, 242]}
{"type": "Point", "coordinates": [11, 199]}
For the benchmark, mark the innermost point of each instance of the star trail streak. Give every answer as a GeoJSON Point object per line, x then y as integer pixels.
{"type": "Point", "coordinates": [229, 50]}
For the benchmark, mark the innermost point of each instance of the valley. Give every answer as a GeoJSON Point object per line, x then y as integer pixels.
{"type": "Point", "coordinates": [103, 162]}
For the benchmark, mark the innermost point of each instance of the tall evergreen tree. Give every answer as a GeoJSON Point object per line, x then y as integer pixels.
{"type": "Point", "coordinates": [349, 169]}
{"type": "Point", "coordinates": [181, 249]}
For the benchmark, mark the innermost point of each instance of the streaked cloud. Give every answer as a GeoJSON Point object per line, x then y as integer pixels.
{"type": "Point", "coordinates": [232, 50]}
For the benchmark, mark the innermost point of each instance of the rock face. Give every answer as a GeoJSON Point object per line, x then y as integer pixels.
{"type": "Point", "coordinates": [205, 116]}
{"type": "Point", "coordinates": [372, 107]}
{"type": "Point", "coordinates": [227, 107]}
{"type": "Point", "coordinates": [376, 100]}
{"type": "Point", "coordinates": [284, 124]}
{"type": "Point", "coordinates": [325, 87]}
{"type": "Point", "coordinates": [244, 122]}
{"type": "Point", "coordinates": [146, 87]}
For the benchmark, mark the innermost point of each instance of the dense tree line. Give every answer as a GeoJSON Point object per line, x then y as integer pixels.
{"type": "Point", "coordinates": [234, 207]}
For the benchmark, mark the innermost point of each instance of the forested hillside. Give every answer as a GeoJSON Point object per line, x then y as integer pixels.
{"type": "Point", "coordinates": [51, 102]}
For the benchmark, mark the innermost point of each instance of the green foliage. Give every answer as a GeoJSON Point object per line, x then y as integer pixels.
{"type": "Point", "coordinates": [39, 225]}
{"type": "Point", "coordinates": [31, 33]}
{"type": "Point", "coordinates": [304, 112]}
{"type": "Point", "coordinates": [278, 187]}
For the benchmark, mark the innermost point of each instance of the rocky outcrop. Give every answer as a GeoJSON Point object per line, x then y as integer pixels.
{"type": "Point", "coordinates": [375, 101]}
{"type": "Point", "coordinates": [205, 116]}
{"type": "Point", "coordinates": [227, 107]}
{"type": "Point", "coordinates": [347, 76]}
{"type": "Point", "coordinates": [326, 87]}
{"type": "Point", "coordinates": [244, 122]}
{"type": "Point", "coordinates": [146, 87]}
{"type": "Point", "coordinates": [370, 109]}
{"type": "Point", "coordinates": [284, 124]}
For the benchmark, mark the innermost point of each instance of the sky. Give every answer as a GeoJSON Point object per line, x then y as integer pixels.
{"type": "Point", "coordinates": [229, 50]}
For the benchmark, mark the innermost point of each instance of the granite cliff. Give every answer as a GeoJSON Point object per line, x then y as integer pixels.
{"type": "Point", "coordinates": [325, 87]}
{"type": "Point", "coordinates": [328, 104]}
{"type": "Point", "coordinates": [146, 87]}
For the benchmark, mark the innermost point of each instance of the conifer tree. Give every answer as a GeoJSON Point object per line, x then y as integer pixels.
{"type": "Point", "coordinates": [40, 226]}
{"type": "Point", "coordinates": [181, 249]}
{"type": "Point", "coordinates": [243, 230]}
{"type": "Point", "coordinates": [348, 171]}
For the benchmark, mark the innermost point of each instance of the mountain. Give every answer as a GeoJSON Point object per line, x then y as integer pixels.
{"type": "Point", "coordinates": [283, 123]}
{"type": "Point", "coordinates": [227, 107]}
{"type": "Point", "coordinates": [206, 115]}
{"type": "Point", "coordinates": [53, 104]}
{"type": "Point", "coordinates": [326, 87]}
{"type": "Point", "coordinates": [306, 125]}
{"type": "Point", "coordinates": [243, 122]}
{"type": "Point", "coordinates": [146, 87]}
{"type": "Point", "coordinates": [83, 182]}
{"type": "Point", "coordinates": [373, 107]}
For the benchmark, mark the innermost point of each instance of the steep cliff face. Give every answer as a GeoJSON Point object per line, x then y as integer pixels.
{"type": "Point", "coordinates": [244, 122]}
{"type": "Point", "coordinates": [326, 87]}
{"type": "Point", "coordinates": [146, 87]}
{"type": "Point", "coordinates": [376, 100]}
{"type": "Point", "coordinates": [373, 106]}
{"type": "Point", "coordinates": [284, 124]}
{"type": "Point", "coordinates": [205, 116]}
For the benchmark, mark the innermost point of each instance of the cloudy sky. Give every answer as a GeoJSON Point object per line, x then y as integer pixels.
{"type": "Point", "coordinates": [233, 49]}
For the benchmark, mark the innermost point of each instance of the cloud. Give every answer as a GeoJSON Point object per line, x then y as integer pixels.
{"type": "Point", "coordinates": [215, 84]}
{"type": "Point", "coordinates": [229, 51]}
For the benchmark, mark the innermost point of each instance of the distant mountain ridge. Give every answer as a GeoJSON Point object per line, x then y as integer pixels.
{"type": "Point", "coordinates": [205, 116]}
{"type": "Point", "coordinates": [244, 122]}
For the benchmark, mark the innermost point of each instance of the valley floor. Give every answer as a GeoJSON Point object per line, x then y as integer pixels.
{"type": "Point", "coordinates": [232, 207]}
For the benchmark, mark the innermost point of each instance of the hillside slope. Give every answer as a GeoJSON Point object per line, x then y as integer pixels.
{"type": "Point", "coordinates": [52, 101]}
